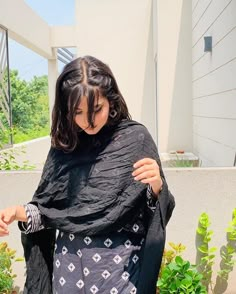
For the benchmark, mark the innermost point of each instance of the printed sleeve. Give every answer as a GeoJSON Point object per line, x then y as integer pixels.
{"type": "Point", "coordinates": [151, 199]}
{"type": "Point", "coordinates": [34, 222]}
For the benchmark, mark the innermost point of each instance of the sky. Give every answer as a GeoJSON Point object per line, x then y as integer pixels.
{"type": "Point", "coordinates": [54, 12]}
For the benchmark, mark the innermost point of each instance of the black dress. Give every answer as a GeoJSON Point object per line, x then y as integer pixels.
{"type": "Point", "coordinates": [91, 192]}
{"type": "Point", "coordinates": [95, 264]}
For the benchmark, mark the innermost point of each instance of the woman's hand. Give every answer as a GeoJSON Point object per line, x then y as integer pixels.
{"type": "Point", "coordinates": [147, 171]}
{"type": "Point", "coordinates": [9, 215]}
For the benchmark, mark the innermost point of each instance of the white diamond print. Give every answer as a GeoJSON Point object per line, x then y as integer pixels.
{"type": "Point", "coordinates": [117, 259]}
{"type": "Point", "coordinates": [135, 227]}
{"type": "Point", "coordinates": [141, 242]}
{"type": "Point", "coordinates": [106, 274]}
{"type": "Point", "coordinates": [86, 271]}
{"type": "Point", "coordinates": [64, 250]}
{"type": "Point", "coordinates": [125, 276]}
{"type": "Point", "coordinates": [108, 242]}
{"type": "Point", "coordinates": [135, 258]}
{"type": "Point", "coordinates": [96, 257]}
{"type": "Point", "coordinates": [87, 240]}
{"type": "Point", "coordinates": [133, 290]}
{"type": "Point", "coordinates": [113, 291]}
{"type": "Point", "coordinates": [62, 281]}
{"type": "Point", "coordinates": [71, 237]}
{"type": "Point", "coordinates": [94, 289]}
{"type": "Point", "coordinates": [62, 234]}
{"type": "Point", "coordinates": [128, 243]}
{"type": "Point", "coordinates": [71, 267]}
{"type": "Point", "coordinates": [80, 284]}
{"type": "Point", "coordinates": [79, 253]}
{"type": "Point", "coordinates": [57, 263]}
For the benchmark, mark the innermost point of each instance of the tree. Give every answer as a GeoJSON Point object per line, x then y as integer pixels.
{"type": "Point", "coordinates": [30, 109]}
{"type": "Point", "coordinates": [29, 102]}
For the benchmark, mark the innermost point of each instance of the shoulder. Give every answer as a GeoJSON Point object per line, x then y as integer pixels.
{"type": "Point", "coordinates": [134, 132]}
{"type": "Point", "coordinates": [133, 126]}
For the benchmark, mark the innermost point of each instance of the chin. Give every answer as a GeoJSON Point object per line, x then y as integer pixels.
{"type": "Point", "coordinates": [92, 131]}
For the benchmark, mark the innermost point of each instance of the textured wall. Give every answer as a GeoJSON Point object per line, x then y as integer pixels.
{"type": "Point", "coordinates": [214, 81]}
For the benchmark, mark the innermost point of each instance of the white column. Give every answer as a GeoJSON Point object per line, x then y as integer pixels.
{"type": "Point", "coordinates": [174, 56]}
{"type": "Point", "coordinates": [52, 77]}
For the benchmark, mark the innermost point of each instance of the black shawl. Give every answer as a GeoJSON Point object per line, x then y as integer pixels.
{"type": "Point", "coordinates": [91, 191]}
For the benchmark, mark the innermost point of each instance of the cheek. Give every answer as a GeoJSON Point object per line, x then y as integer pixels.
{"type": "Point", "coordinates": [102, 117]}
{"type": "Point", "coordinates": [78, 120]}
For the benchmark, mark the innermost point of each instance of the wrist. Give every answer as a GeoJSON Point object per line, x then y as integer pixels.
{"type": "Point", "coordinates": [157, 188]}
{"type": "Point", "coordinates": [20, 214]}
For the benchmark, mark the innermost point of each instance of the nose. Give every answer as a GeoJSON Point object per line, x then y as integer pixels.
{"type": "Point", "coordinates": [86, 123]}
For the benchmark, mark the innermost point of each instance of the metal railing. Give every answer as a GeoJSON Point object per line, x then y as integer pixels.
{"type": "Point", "coordinates": [5, 97]}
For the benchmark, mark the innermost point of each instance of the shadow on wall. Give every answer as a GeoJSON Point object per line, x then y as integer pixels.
{"type": "Point", "coordinates": [148, 109]}
{"type": "Point", "coordinates": [205, 257]}
{"type": "Point", "coordinates": [180, 127]}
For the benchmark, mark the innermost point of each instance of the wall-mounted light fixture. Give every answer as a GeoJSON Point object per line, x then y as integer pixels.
{"type": "Point", "coordinates": [208, 44]}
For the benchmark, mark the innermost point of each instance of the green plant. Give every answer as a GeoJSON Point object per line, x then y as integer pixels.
{"type": "Point", "coordinates": [207, 253]}
{"type": "Point", "coordinates": [180, 160]}
{"type": "Point", "coordinates": [179, 276]}
{"type": "Point", "coordinates": [228, 252]}
{"type": "Point", "coordinates": [8, 156]}
{"type": "Point", "coordinates": [8, 160]}
{"type": "Point", "coordinates": [7, 257]}
{"type": "Point", "coordinates": [170, 254]}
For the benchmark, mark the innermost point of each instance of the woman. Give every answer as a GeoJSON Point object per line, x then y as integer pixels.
{"type": "Point", "coordinates": [102, 190]}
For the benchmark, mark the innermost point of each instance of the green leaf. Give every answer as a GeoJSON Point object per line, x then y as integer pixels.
{"type": "Point", "coordinates": [203, 248]}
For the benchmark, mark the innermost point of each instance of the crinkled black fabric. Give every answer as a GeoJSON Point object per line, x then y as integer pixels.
{"type": "Point", "coordinates": [92, 191]}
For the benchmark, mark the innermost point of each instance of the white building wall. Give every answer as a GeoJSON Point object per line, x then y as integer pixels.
{"type": "Point", "coordinates": [174, 62]}
{"type": "Point", "coordinates": [214, 82]}
{"type": "Point", "coordinates": [25, 26]}
{"type": "Point", "coordinates": [120, 33]}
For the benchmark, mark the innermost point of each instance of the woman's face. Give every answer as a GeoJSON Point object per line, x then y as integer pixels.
{"type": "Point", "coordinates": [101, 109]}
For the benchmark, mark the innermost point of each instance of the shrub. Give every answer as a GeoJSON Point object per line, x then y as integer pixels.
{"type": "Point", "coordinates": [7, 257]}
{"type": "Point", "coordinates": [181, 277]}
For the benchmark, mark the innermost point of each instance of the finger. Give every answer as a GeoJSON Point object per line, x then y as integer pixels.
{"type": "Point", "coordinates": [3, 233]}
{"type": "Point", "coordinates": [151, 167]}
{"type": "Point", "coordinates": [3, 225]}
{"type": "Point", "coordinates": [3, 230]}
{"type": "Point", "coordinates": [150, 180]}
{"type": "Point", "coordinates": [7, 219]}
{"type": "Point", "coordinates": [143, 161]}
{"type": "Point", "coordinates": [140, 170]}
{"type": "Point", "coordinates": [145, 175]}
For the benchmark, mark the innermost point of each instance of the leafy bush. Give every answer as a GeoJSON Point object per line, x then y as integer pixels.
{"type": "Point", "coordinates": [181, 277]}
{"type": "Point", "coordinates": [170, 254]}
{"type": "Point", "coordinates": [8, 160]}
{"type": "Point", "coordinates": [7, 257]}
{"type": "Point", "coordinates": [207, 253]}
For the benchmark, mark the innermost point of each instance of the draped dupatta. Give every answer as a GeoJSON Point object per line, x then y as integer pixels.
{"type": "Point", "coordinates": [92, 191]}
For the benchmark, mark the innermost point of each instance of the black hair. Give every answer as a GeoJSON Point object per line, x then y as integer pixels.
{"type": "Point", "coordinates": [89, 77]}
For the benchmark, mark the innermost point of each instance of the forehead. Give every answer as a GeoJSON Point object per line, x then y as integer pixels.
{"type": "Point", "coordinates": [84, 101]}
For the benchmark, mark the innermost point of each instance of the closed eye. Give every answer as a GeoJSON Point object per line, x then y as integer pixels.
{"type": "Point", "coordinates": [96, 111]}
{"type": "Point", "coordinates": [99, 109]}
